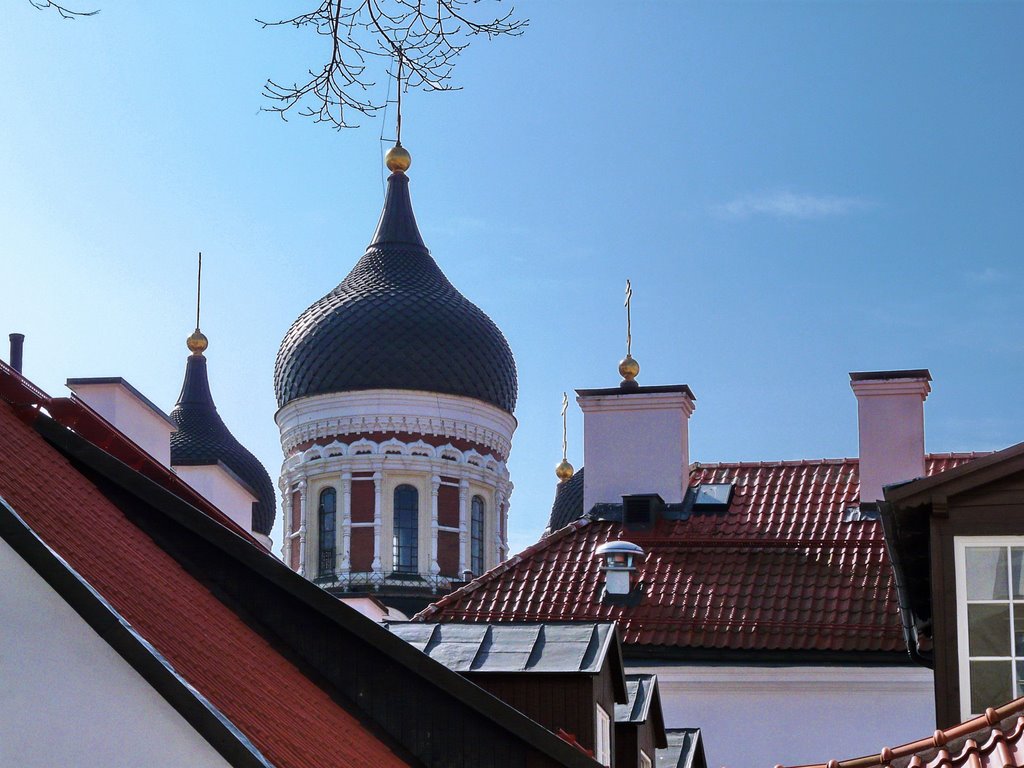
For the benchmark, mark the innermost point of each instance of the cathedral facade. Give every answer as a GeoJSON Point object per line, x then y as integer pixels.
{"type": "Point", "coordinates": [396, 398]}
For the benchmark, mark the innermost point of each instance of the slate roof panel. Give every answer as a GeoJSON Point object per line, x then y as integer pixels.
{"type": "Point", "coordinates": [780, 570]}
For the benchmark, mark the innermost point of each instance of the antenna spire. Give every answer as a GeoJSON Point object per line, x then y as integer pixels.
{"type": "Point", "coordinates": [564, 469]}
{"type": "Point", "coordinates": [398, 158]}
{"type": "Point", "coordinates": [197, 342]}
{"type": "Point", "coordinates": [628, 367]}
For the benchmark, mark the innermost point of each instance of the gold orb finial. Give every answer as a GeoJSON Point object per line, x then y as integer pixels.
{"type": "Point", "coordinates": [628, 370]}
{"type": "Point", "coordinates": [197, 342]}
{"type": "Point", "coordinates": [564, 471]}
{"type": "Point", "coordinates": [398, 159]}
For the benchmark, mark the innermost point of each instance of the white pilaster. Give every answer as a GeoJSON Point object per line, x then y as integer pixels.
{"type": "Point", "coordinates": [464, 554]}
{"type": "Point", "coordinates": [343, 531]}
{"type": "Point", "coordinates": [302, 528]}
{"type": "Point", "coordinates": [435, 487]}
{"type": "Point", "coordinates": [378, 522]}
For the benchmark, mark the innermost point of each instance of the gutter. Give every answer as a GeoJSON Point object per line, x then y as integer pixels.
{"type": "Point", "coordinates": [910, 634]}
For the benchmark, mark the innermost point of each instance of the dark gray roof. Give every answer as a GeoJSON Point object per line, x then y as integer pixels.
{"type": "Point", "coordinates": [396, 323]}
{"type": "Point", "coordinates": [641, 690]}
{"type": "Point", "coordinates": [568, 504]}
{"type": "Point", "coordinates": [561, 648]}
{"type": "Point", "coordinates": [203, 439]}
{"type": "Point", "coordinates": [685, 749]}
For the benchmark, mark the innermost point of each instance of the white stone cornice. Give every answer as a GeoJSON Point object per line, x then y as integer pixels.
{"type": "Point", "coordinates": [391, 410]}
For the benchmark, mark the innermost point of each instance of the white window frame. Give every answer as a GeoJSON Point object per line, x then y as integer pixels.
{"type": "Point", "coordinates": [602, 736]}
{"type": "Point", "coordinates": [960, 545]}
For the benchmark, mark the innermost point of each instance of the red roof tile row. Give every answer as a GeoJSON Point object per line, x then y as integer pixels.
{"type": "Point", "coordinates": [290, 720]}
{"type": "Point", "coordinates": [780, 570]}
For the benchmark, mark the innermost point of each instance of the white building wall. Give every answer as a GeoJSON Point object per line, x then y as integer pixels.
{"type": "Point", "coordinates": [222, 489]}
{"type": "Point", "coordinates": [68, 699]}
{"type": "Point", "coordinates": [122, 407]}
{"type": "Point", "coordinates": [757, 717]}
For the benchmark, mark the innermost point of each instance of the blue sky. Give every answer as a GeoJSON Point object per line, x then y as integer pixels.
{"type": "Point", "coordinates": [796, 190]}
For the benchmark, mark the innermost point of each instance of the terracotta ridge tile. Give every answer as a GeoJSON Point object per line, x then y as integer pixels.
{"type": "Point", "coordinates": [938, 741]}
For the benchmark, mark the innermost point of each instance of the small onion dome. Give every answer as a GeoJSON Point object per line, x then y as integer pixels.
{"type": "Point", "coordinates": [203, 439]}
{"type": "Point", "coordinates": [563, 471]}
{"type": "Point", "coordinates": [395, 322]}
{"type": "Point", "coordinates": [568, 503]}
{"type": "Point", "coordinates": [628, 370]}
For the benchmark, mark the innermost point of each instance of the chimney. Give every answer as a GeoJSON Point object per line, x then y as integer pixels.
{"type": "Point", "coordinates": [890, 420]}
{"type": "Point", "coordinates": [17, 348]}
{"type": "Point", "coordinates": [635, 441]}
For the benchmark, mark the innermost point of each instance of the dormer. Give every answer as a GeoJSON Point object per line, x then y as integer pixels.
{"type": "Point", "coordinates": [956, 541]}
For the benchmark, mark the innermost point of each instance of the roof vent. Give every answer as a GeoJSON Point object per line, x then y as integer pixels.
{"type": "Point", "coordinates": [619, 561]}
{"type": "Point", "coordinates": [640, 510]}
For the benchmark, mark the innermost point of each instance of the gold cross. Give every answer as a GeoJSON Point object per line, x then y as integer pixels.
{"type": "Point", "coordinates": [629, 335]}
{"type": "Point", "coordinates": [565, 407]}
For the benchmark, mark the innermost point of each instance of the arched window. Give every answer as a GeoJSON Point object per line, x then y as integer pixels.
{"type": "Point", "coordinates": [406, 533]}
{"type": "Point", "coordinates": [326, 516]}
{"type": "Point", "coordinates": [476, 526]}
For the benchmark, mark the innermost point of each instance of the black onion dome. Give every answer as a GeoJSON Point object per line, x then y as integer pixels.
{"type": "Point", "coordinates": [203, 438]}
{"type": "Point", "coordinates": [396, 323]}
{"type": "Point", "coordinates": [568, 504]}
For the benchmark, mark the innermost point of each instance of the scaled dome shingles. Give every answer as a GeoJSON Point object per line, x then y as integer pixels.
{"type": "Point", "coordinates": [202, 439]}
{"type": "Point", "coordinates": [396, 322]}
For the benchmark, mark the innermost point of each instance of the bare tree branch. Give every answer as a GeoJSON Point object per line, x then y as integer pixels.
{"type": "Point", "coordinates": [430, 34]}
{"type": "Point", "coordinates": [63, 10]}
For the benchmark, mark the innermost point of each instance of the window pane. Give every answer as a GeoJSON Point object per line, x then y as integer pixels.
{"type": "Point", "coordinates": [1018, 630]}
{"type": "Point", "coordinates": [988, 630]}
{"type": "Point", "coordinates": [1017, 561]}
{"type": "Point", "coordinates": [990, 684]}
{"type": "Point", "coordinates": [986, 573]}
{"type": "Point", "coordinates": [406, 529]}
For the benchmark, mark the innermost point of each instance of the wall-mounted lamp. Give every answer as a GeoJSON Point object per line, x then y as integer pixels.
{"type": "Point", "coordinates": [619, 561]}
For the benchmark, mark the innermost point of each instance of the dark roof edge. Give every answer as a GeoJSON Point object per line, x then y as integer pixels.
{"type": "Point", "coordinates": [916, 373]}
{"type": "Point", "coordinates": [682, 389]}
{"type": "Point", "coordinates": [668, 653]}
{"type": "Point", "coordinates": [985, 467]}
{"type": "Point", "coordinates": [124, 383]}
{"type": "Point", "coordinates": [104, 620]}
{"type": "Point", "coordinates": [298, 587]}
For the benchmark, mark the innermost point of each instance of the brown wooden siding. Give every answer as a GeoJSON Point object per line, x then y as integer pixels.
{"type": "Point", "coordinates": [995, 510]}
{"type": "Point", "coordinates": [555, 701]}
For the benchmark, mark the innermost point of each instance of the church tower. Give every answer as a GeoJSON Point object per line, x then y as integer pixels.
{"type": "Point", "coordinates": [396, 396]}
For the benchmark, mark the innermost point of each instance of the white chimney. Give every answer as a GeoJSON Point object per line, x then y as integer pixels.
{"type": "Point", "coordinates": [130, 412]}
{"type": "Point", "coordinates": [890, 420]}
{"type": "Point", "coordinates": [635, 441]}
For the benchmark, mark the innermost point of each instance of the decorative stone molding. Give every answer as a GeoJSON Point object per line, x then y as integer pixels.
{"type": "Point", "coordinates": [384, 411]}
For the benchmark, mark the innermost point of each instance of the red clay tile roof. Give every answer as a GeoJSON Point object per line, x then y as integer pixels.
{"type": "Point", "coordinates": [780, 570]}
{"type": "Point", "coordinates": [992, 740]}
{"type": "Point", "coordinates": [290, 720]}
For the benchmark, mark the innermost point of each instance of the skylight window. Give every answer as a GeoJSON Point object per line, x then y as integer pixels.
{"type": "Point", "coordinates": [712, 496]}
